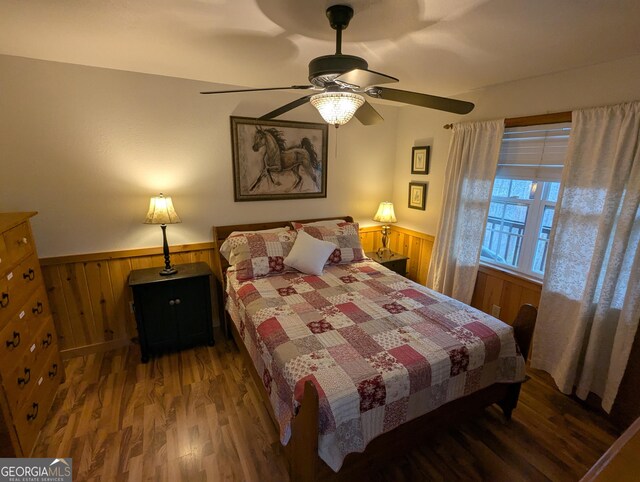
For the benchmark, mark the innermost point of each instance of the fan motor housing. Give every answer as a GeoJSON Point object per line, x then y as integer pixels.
{"type": "Point", "coordinates": [322, 70]}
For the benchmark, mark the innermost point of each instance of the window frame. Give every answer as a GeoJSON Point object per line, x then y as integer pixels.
{"type": "Point", "coordinates": [535, 207]}
{"type": "Point", "coordinates": [533, 222]}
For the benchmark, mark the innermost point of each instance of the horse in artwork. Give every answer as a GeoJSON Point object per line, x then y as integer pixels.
{"type": "Point", "coordinates": [277, 158]}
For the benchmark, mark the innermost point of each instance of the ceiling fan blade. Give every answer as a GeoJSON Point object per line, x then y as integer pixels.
{"type": "Point", "coordinates": [364, 78]}
{"type": "Point", "coordinates": [285, 108]}
{"type": "Point", "coordinates": [297, 87]}
{"type": "Point", "coordinates": [367, 115]}
{"type": "Point", "coordinates": [422, 100]}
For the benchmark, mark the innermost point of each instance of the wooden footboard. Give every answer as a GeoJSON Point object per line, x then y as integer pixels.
{"type": "Point", "coordinates": [302, 451]}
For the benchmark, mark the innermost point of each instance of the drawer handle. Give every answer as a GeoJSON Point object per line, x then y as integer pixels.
{"type": "Point", "coordinates": [178, 301]}
{"type": "Point", "coordinates": [4, 301]}
{"type": "Point", "coordinates": [26, 379]}
{"type": "Point", "coordinates": [172, 302]}
{"type": "Point", "coordinates": [47, 340]}
{"type": "Point", "coordinates": [34, 412]}
{"type": "Point", "coordinates": [16, 340]}
{"type": "Point", "coordinates": [38, 309]}
{"type": "Point", "coordinates": [30, 275]}
{"type": "Point", "coordinates": [54, 370]}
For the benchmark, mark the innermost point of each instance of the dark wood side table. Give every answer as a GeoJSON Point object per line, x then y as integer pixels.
{"type": "Point", "coordinates": [172, 312]}
{"type": "Point", "coordinates": [394, 261]}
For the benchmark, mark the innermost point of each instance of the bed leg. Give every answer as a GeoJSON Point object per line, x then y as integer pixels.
{"type": "Point", "coordinates": [509, 403]}
{"type": "Point", "coordinates": [303, 450]}
{"type": "Point", "coordinates": [523, 327]}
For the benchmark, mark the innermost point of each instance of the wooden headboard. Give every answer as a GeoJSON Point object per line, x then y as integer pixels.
{"type": "Point", "coordinates": [220, 233]}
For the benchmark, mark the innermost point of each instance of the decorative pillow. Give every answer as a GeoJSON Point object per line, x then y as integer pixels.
{"type": "Point", "coordinates": [345, 236]}
{"type": "Point", "coordinates": [261, 254]}
{"type": "Point", "coordinates": [237, 237]}
{"type": "Point", "coordinates": [309, 254]}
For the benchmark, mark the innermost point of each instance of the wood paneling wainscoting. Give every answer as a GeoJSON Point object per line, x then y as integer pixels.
{"type": "Point", "coordinates": [505, 290]}
{"type": "Point", "coordinates": [90, 298]}
{"type": "Point", "coordinates": [417, 246]}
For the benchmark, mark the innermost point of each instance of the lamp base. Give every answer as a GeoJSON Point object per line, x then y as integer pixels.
{"type": "Point", "coordinates": [168, 271]}
{"type": "Point", "coordinates": [385, 242]}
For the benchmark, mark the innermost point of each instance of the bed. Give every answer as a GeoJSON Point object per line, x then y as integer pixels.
{"type": "Point", "coordinates": [356, 363]}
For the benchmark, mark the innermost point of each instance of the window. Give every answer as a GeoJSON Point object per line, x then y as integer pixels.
{"type": "Point", "coordinates": [524, 196]}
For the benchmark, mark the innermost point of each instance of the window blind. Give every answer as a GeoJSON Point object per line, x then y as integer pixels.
{"type": "Point", "coordinates": [534, 152]}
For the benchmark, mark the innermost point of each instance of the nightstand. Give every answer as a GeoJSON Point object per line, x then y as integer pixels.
{"type": "Point", "coordinates": [394, 261]}
{"type": "Point", "coordinates": [172, 312]}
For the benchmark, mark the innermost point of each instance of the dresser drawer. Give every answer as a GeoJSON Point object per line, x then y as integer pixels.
{"type": "Point", "coordinates": [4, 257]}
{"type": "Point", "coordinates": [22, 325]}
{"type": "Point", "coordinates": [46, 340]}
{"type": "Point", "coordinates": [18, 242]}
{"type": "Point", "coordinates": [17, 285]}
{"type": "Point", "coordinates": [33, 413]}
{"type": "Point", "coordinates": [36, 310]}
{"type": "Point", "coordinates": [20, 377]}
{"type": "Point", "coordinates": [14, 339]}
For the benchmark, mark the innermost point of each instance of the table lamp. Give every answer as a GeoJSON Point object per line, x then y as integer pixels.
{"type": "Point", "coordinates": [161, 212]}
{"type": "Point", "coordinates": [385, 215]}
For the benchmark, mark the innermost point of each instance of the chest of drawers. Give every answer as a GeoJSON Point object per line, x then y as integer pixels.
{"type": "Point", "coordinates": [30, 365]}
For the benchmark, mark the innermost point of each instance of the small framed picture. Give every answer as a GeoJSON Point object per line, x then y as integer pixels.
{"type": "Point", "coordinates": [418, 195]}
{"type": "Point", "coordinates": [420, 160]}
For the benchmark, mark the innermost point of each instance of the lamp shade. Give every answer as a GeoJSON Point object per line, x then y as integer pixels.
{"type": "Point", "coordinates": [161, 211]}
{"type": "Point", "coordinates": [385, 213]}
{"type": "Point", "coordinates": [337, 108]}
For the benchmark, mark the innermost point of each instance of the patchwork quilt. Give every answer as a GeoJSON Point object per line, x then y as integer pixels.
{"type": "Point", "coordinates": [380, 349]}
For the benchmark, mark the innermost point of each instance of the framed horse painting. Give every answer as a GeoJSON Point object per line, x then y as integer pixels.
{"type": "Point", "coordinates": [278, 159]}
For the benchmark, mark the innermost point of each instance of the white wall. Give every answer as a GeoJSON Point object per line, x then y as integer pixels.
{"type": "Point", "coordinates": [602, 84]}
{"type": "Point", "coordinates": [87, 147]}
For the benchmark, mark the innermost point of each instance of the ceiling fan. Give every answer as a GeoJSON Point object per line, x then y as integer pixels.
{"type": "Point", "coordinates": [339, 80]}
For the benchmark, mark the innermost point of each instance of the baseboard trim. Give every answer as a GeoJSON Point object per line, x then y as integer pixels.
{"type": "Point", "coordinates": [95, 348]}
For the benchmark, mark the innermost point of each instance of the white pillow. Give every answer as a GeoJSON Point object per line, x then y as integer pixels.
{"type": "Point", "coordinates": [226, 249]}
{"type": "Point", "coordinates": [309, 254]}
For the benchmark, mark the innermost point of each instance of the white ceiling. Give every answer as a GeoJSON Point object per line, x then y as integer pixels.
{"type": "Point", "coordinates": [441, 47]}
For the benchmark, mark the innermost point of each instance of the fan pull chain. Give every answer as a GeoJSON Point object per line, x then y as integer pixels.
{"type": "Point", "coordinates": [335, 154]}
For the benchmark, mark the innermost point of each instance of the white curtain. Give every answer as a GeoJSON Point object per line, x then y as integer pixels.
{"type": "Point", "coordinates": [590, 302]}
{"type": "Point", "coordinates": [471, 168]}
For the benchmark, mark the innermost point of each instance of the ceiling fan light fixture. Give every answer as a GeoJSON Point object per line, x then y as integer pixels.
{"type": "Point", "coordinates": [337, 108]}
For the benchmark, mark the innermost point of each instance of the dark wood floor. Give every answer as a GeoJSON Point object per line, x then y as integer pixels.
{"type": "Point", "coordinates": [196, 415]}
